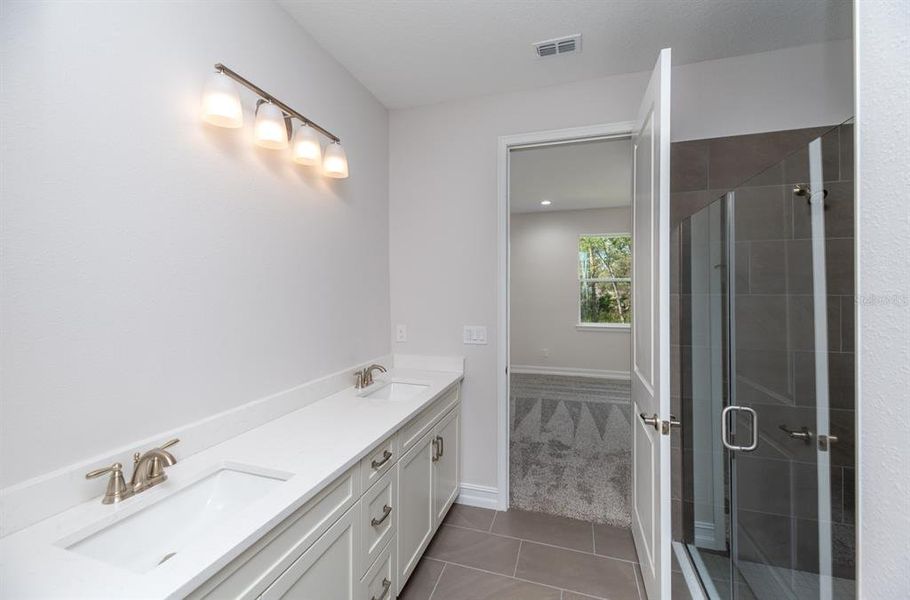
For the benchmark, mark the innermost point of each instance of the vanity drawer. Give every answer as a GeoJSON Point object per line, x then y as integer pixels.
{"type": "Point", "coordinates": [378, 462]}
{"type": "Point", "coordinates": [380, 516]}
{"type": "Point", "coordinates": [379, 582]}
{"type": "Point", "coordinates": [250, 574]}
{"type": "Point", "coordinates": [417, 427]}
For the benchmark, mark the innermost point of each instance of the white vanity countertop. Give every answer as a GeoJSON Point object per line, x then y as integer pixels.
{"type": "Point", "coordinates": [314, 445]}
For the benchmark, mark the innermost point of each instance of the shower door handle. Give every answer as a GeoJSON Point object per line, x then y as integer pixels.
{"type": "Point", "coordinates": [725, 428]}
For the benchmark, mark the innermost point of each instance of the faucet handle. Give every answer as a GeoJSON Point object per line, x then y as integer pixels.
{"type": "Point", "coordinates": [113, 469]}
{"type": "Point", "coordinates": [168, 443]}
{"type": "Point", "coordinates": [117, 489]}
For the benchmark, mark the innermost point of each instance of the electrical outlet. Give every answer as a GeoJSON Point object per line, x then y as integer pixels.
{"type": "Point", "coordinates": [475, 334]}
{"type": "Point", "coordinates": [401, 333]}
{"type": "Point", "coordinates": [545, 352]}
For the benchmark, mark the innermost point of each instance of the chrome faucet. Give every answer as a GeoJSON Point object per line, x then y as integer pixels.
{"type": "Point", "coordinates": [364, 377]}
{"type": "Point", "coordinates": [148, 467]}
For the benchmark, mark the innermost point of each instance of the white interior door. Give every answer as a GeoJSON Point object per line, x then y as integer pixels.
{"type": "Point", "coordinates": [651, 332]}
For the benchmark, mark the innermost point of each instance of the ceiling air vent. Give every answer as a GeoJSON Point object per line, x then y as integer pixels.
{"type": "Point", "coordinates": [564, 45]}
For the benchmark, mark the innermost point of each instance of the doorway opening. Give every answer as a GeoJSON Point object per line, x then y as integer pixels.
{"type": "Point", "coordinates": [569, 290]}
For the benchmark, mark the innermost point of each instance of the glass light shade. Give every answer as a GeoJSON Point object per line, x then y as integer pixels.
{"type": "Point", "coordinates": [270, 130]}
{"type": "Point", "coordinates": [335, 162]}
{"type": "Point", "coordinates": [306, 149]}
{"type": "Point", "coordinates": [221, 102]}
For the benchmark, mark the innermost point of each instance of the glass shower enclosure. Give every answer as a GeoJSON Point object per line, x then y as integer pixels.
{"type": "Point", "coordinates": [766, 304]}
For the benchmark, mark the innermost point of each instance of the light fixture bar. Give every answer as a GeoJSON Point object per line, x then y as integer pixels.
{"type": "Point", "coordinates": [261, 92]}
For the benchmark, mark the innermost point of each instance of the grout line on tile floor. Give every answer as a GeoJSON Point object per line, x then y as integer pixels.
{"type": "Point", "coordinates": [637, 586]}
{"type": "Point", "coordinates": [517, 557]}
{"type": "Point", "coordinates": [512, 537]}
{"type": "Point", "coordinates": [493, 520]}
{"type": "Point", "coordinates": [521, 579]}
{"type": "Point", "coordinates": [438, 579]}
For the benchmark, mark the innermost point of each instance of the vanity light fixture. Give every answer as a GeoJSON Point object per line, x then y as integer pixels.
{"type": "Point", "coordinates": [335, 162]}
{"type": "Point", "coordinates": [273, 127]}
{"type": "Point", "coordinates": [221, 102]}
{"type": "Point", "coordinates": [270, 130]}
{"type": "Point", "coordinates": [307, 149]}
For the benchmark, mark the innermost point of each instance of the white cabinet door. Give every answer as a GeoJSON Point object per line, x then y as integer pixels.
{"type": "Point", "coordinates": [448, 463]}
{"type": "Point", "coordinates": [651, 332]}
{"type": "Point", "coordinates": [415, 497]}
{"type": "Point", "coordinates": [329, 570]}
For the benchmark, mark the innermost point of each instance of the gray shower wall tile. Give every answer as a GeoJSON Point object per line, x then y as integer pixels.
{"type": "Point", "coordinates": [841, 379]}
{"type": "Point", "coordinates": [762, 213]}
{"type": "Point", "coordinates": [741, 273]}
{"type": "Point", "coordinates": [846, 152]}
{"type": "Point", "coordinates": [689, 166]}
{"type": "Point", "coordinates": [838, 266]}
{"type": "Point", "coordinates": [839, 212]}
{"type": "Point", "coordinates": [843, 425]}
{"type": "Point", "coordinates": [764, 376]}
{"type": "Point", "coordinates": [786, 487]}
{"type": "Point", "coordinates": [686, 203]}
{"type": "Point", "coordinates": [795, 167]}
{"type": "Point", "coordinates": [801, 317]}
{"type": "Point", "coordinates": [767, 265]}
{"type": "Point", "coordinates": [761, 322]}
{"type": "Point", "coordinates": [848, 323]}
{"type": "Point", "coordinates": [734, 160]}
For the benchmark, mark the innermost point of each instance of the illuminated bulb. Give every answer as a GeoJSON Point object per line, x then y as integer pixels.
{"type": "Point", "coordinates": [545, 203]}
{"type": "Point", "coordinates": [335, 162]}
{"type": "Point", "coordinates": [270, 130]}
{"type": "Point", "coordinates": [221, 102]}
{"type": "Point", "coordinates": [306, 149]}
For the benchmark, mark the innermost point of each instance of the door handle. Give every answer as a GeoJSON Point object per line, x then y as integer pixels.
{"type": "Point", "coordinates": [802, 433]}
{"type": "Point", "coordinates": [442, 445]}
{"type": "Point", "coordinates": [725, 428]}
{"type": "Point", "coordinates": [653, 420]}
{"type": "Point", "coordinates": [435, 443]}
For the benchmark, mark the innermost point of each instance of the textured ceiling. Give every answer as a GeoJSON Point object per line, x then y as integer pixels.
{"type": "Point", "coordinates": [595, 174]}
{"type": "Point", "coordinates": [415, 52]}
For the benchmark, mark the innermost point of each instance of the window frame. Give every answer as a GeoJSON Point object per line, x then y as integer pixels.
{"type": "Point", "coordinates": [587, 325]}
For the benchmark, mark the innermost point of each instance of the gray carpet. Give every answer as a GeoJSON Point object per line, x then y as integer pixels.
{"type": "Point", "coordinates": [570, 447]}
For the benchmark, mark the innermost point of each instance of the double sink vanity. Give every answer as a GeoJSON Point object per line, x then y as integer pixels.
{"type": "Point", "coordinates": [338, 499]}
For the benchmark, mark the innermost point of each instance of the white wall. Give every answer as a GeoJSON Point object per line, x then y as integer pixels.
{"type": "Point", "coordinates": [442, 189]}
{"type": "Point", "coordinates": [156, 270]}
{"type": "Point", "coordinates": [883, 294]}
{"type": "Point", "coordinates": [544, 292]}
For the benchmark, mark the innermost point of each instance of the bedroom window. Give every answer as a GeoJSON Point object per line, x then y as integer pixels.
{"type": "Point", "coordinates": [605, 280]}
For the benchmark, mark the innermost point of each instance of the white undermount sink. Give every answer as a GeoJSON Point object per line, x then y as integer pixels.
{"type": "Point", "coordinates": [397, 390]}
{"type": "Point", "coordinates": [157, 532]}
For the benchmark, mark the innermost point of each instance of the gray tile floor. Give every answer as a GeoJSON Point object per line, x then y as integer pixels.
{"type": "Point", "coordinates": [481, 554]}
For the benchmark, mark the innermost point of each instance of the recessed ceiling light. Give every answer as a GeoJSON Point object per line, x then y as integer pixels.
{"type": "Point", "coordinates": [545, 203]}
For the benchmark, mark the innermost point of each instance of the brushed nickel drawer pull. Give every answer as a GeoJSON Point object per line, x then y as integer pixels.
{"type": "Point", "coordinates": [442, 446]}
{"type": "Point", "coordinates": [386, 455]}
{"type": "Point", "coordinates": [386, 511]}
{"type": "Point", "coordinates": [436, 455]}
{"type": "Point", "coordinates": [386, 584]}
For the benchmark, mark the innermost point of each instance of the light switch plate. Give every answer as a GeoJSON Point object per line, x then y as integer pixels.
{"type": "Point", "coordinates": [401, 333]}
{"type": "Point", "coordinates": [475, 334]}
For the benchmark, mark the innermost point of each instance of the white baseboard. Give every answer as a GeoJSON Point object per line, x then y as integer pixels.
{"type": "Point", "coordinates": [481, 496]}
{"type": "Point", "coordinates": [569, 372]}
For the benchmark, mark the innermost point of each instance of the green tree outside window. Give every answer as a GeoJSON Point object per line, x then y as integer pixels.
{"type": "Point", "coordinates": [605, 279]}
